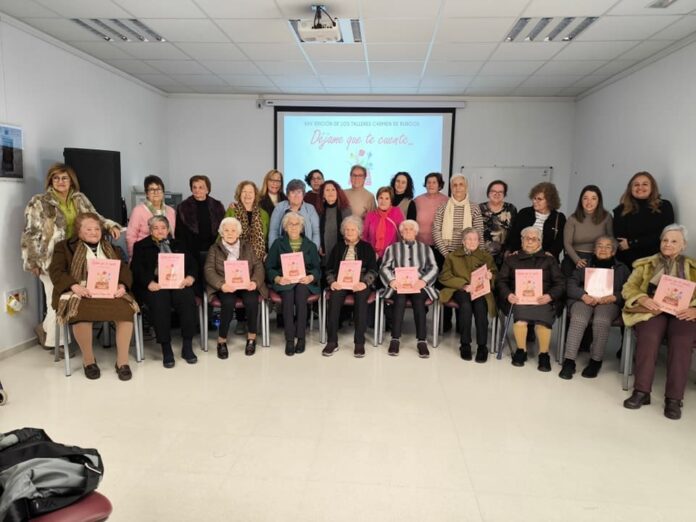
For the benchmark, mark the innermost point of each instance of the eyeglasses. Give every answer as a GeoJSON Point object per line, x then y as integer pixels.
{"type": "Point", "coordinates": [496, 192]}
{"type": "Point", "coordinates": [275, 181]}
{"type": "Point", "coordinates": [60, 178]}
{"type": "Point", "coordinates": [531, 239]}
{"type": "Point", "coordinates": [154, 190]}
{"type": "Point", "coordinates": [357, 175]}
{"type": "Point", "coordinates": [293, 224]}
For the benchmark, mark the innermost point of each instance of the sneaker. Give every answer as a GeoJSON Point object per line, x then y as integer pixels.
{"type": "Point", "coordinates": [240, 328]}
{"type": "Point", "coordinates": [393, 347]}
{"type": "Point", "coordinates": [92, 371]}
{"type": "Point", "coordinates": [673, 408]}
{"type": "Point", "coordinates": [329, 349]}
{"type": "Point", "coordinates": [222, 351]}
{"type": "Point", "coordinates": [465, 352]}
{"type": "Point", "coordinates": [250, 348]}
{"type": "Point", "coordinates": [359, 350]}
{"type": "Point", "coordinates": [482, 354]}
{"type": "Point", "coordinates": [519, 357]}
{"type": "Point", "coordinates": [124, 372]}
{"type": "Point", "coordinates": [422, 348]}
{"type": "Point", "coordinates": [592, 369]}
{"type": "Point", "coordinates": [290, 348]}
{"type": "Point", "coordinates": [300, 346]}
{"type": "Point", "coordinates": [544, 362]}
{"type": "Point", "coordinates": [567, 370]}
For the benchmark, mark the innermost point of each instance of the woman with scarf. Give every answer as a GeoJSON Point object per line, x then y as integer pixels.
{"type": "Point", "coordinates": [230, 246]}
{"type": "Point", "coordinates": [333, 208]}
{"type": "Point", "coordinates": [49, 219]}
{"type": "Point", "coordinates": [73, 301]}
{"type": "Point", "coordinates": [159, 301]}
{"type": "Point", "coordinates": [402, 185]}
{"type": "Point", "coordinates": [652, 324]}
{"type": "Point", "coordinates": [456, 284]}
{"type": "Point", "coordinates": [138, 224]}
{"type": "Point", "coordinates": [381, 226]}
{"type": "Point", "coordinates": [352, 248]}
{"type": "Point", "coordinates": [409, 253]}
{"type": "Point", "coordinates": [583, 308]}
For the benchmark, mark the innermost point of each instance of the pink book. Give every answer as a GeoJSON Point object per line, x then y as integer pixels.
{"type": "Point", "coordinates": [237, 274]}
{"type": "Point", "coordinates": [480, 284]}
{"type": "Point", "coordinates": [406, 277]}
{"type": "Point", "coordinates": [102, 277]}
{"type": "Point", "coordinates": [529, 285]}
{"type": "Point", "coordinates": [599, 282]}
{"type": "Point", "coordinates": [170, 268]}
{"type": "Point", "coordinates": [293, 266]}
{"type": "Point", "coordinates": [673, 294]}
{"type": "Point", "coordinates": [348, 274]}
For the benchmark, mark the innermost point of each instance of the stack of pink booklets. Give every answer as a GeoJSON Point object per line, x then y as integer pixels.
{"type": "Point", "coordinates": [529, 286]}
{"type": "Point", "coordinates": [348, 274]}
{"type": "Point", "coordinates": [674, 294]}
{"type": "Point", "coordinates": [406, 278]}
{"type": "Point", "coordinates": [480, 284]}
{"type": "Point", "coordinates": [293, 266]}
{"type": "Point", "coordinates": [170, 270]}
{"type": "Point", "coordinates": [102, 277]}
{"type": "Point", "coordinates": [237, 274]}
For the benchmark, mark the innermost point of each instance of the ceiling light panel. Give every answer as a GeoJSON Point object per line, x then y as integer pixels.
{"type": "Point", "coordinates": [548, 29]}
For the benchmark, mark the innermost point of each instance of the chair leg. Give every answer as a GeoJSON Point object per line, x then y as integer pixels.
{"type": "Point", "coordinates": [627, 357]}
{"type": "Point", "coordinates": [267, 322]}
{"type": "Point", "coordinates": [138, 336]}
{"type": "Point", "coordinates": [436, 323]}
{"type": "Point", "coordinates": [377, 330]}
{"type": "Point", "coordinates": [561, 342]}
{"type": "Point", "coordinates": [203, 327]}
{"type": "Point", "coordinates": [494, 334]}
{"type": "Point", "coordinates": [66, 349]}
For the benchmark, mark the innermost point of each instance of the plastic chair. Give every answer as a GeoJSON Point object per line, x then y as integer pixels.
{"type": "Point", "coordinates": [618, 322]}
{"type": "Point", "coordinates": [428, 302]}
{"type": "Point", "coordinates": [555, 327]}
{"type": "Point", "coordinates": [214, 302]}
{"type": "Point", "coordinates": [492, 323]}
{"type": "Point", "coordinates": [274, 297]}
{"type": "Point", "coordinates": [94, 507]}
{"type": "Point", "coordinates": [374, 297]}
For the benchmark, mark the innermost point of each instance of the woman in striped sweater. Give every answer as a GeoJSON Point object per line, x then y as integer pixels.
{"type": "Point", "coordinates": [409, 253]}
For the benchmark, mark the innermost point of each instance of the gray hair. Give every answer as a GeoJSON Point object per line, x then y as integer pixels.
{"type": "Point", "coordinates": [470, 230]}
{"type": "Point", "coordinates": [230, 221]}
{"type": "Point", "coordinates": [408, 223]}
{"type": "Point", "coordinates": [530, 230]}
{"type": "Point", "coordinates": [292, 215]}
{"type": "Point", "coordinates": [452, 178]}
{"type": "Point", "coordinates": [157, 219]}
{"type": "Point", "coordinates": [355, 220]}
{"type": "Point", "coordinates": [675, 227]}
{"type": "Point", "coordinates": [295, 184]}
{"type": "Point", "coordinates": [614, 243]}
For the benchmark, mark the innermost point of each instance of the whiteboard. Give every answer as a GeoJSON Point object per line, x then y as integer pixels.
{"type": "Point", "coordinates": [519, 179]}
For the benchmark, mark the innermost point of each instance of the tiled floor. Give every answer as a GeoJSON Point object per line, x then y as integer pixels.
{"type": "Point", "coordinates": [310, 438]}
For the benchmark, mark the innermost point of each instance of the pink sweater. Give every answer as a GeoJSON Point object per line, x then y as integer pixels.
{"type": "Point", "coordinates": [394, 218]}
{"type": "Point", "coordinates": [426, 206]}
{"type": "Point", "coordinates": [137, 225]}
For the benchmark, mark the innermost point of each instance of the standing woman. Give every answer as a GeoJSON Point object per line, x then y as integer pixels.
{"type": "Point", "coordinates": [381, 227]}
{"type": "Point", "coordinates": [426, 207]}
{"type": "Point", "coordinates": [497, 215]}
{"type": "Point", "coordinates": [333, 208]}
{"type": "Point", "coordinates": [152, 206]}
{"type": "Point", "coordinates": [640, 218]}
{"type": "Point", "coordinates": [352, 248]}
{"type": "Point", "coordinates": [145, 264]}
{"type": "Point", "coordinates": [271, 191]}
{"type": "Point", "coordinates": [294, 295]}
{"type": "Point", "coordinates": [314, 181]}
{"type": "Point", "coordinates": [251, 216]}
{"type": "Point", "coordinates": [402, 185]}
{"type": "Point", "coordinates": [652, 325]}
{"type": "Point", "coordinates": [73, 302]}
{"type": "Point", "coordinates": [542, 215]}
{"type": "Point", "coordinates": [589, 222]}
{"type": "Point", "coordinates": [49, 219]}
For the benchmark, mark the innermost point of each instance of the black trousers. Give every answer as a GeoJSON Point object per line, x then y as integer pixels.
{"type": "Point", "coordinates": [160, 304]}
{"type": "Point", "coordinates": [294, 304]}
{"type": "Point", "coordinates": [399, 308]}
{"type": "Point", "coordinates": [228, 301]}
{"type": "Point", "coordinates": [359, 314]}
{"type": "Point", "coordinates": [479, 309]}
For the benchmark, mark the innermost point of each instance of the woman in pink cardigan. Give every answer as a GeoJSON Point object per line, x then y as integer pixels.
{"type": "Point", "coordinates": [153, 206]}
{"type": "Point", "coordinates": [381, 226]}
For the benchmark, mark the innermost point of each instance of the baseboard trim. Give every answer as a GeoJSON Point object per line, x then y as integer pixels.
{"type": "Point", "coordinates": [18, 348]}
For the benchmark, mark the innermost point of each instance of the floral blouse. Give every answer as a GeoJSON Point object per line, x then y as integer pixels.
{"type": "Point", "coordinates": [496, 226]}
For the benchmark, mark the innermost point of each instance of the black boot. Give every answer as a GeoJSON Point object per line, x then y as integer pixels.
{"type": "Point", "coordinates": [187, 352]}
{"type": "Point", "coordinates": [167, 355]}
{"type": "Point", "coordinates": [482, 354]}
{"type": "Point", "coordinates": [544, 362]}
{"type": "Point", "coordinates": [592, 369]}
{"type": "Point", "coordinates": [568, 369]}
{"type": "Point", "coordinates": [519, 357]}
{"type": "Point", "coordinates": [465, 351]}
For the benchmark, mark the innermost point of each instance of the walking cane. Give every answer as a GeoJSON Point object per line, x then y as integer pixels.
{"type": "Point", "coordinates": [503, 337]}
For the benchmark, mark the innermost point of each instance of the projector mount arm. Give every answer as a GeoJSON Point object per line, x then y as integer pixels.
{"type": "Point", "coordinates": [318, 9]}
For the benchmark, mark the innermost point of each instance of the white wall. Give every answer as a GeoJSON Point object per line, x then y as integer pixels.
{"type": "Point", "coordinates": [230, 139]}
{"type": "Point", "coordinates": [646, 121]}
{"type": "Point", "coordinates": [61, 100]}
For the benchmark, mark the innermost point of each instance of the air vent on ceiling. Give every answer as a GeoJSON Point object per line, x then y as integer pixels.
{"type": "Point", "coordinates": [548, 29]}
{"type": "Point", "coordinates": [115, 29]}
{"type": "Point", "coordinates": [661, 4]}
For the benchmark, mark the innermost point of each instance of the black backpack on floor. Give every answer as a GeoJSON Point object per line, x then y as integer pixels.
{"type": "Point", "coordinates": [38, 476]}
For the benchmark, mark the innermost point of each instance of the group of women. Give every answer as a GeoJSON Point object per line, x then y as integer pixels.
{"type": "Point", "coordinates": [445, 239]}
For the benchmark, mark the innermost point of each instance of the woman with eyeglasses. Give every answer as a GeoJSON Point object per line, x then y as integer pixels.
{"type": "Point", "coordinates": [271, 191]}
{"type": "Point", "coordinates": [152, 206]}
{"type": "Point", "coordinates": [497, 215]}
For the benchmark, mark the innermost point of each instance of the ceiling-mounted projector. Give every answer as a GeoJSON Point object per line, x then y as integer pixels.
{"type": "Point", "coordinates": [326, 29]}
{"type": "Point", "coordinates": [309, 31]}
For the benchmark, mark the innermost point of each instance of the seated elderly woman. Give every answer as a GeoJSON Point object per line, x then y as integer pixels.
{"type": "Point", "coordinates": [456, 282]}
{"type": "Point", "coordinates": [409, 253]}
{"type": "Point", "coordinates": [652, 323]}
{"type": "Point", "coordinates": [73, 301]}
{"type": "Point", "coordinates": [160, 301]}
{"type": "Point", "coordinates": [601, 308]}
{"type": "Point", "coordinates": [294, 295]}
{"type": "Point", "coordinates": [229, 247]}
{"type": "Point", "coordinates": [541, 314]}
{"type": "Point", "coordinates": [352, 248]}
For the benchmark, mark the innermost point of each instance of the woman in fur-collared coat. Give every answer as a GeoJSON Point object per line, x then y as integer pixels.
{"type": "Point", "coordinates": [49, 219]}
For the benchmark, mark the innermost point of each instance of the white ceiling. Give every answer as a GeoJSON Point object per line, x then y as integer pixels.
{"type": "Point", "coordinates": [437, 47]}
